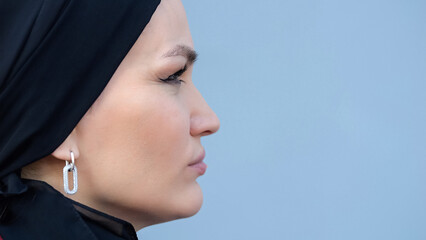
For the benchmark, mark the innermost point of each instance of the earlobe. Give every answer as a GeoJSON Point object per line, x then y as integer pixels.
{"type": "Point", "coordinates": [70, 144]}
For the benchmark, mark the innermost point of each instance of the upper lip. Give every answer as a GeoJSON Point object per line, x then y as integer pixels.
{"type": "Point", "coordinates": [199, 158]}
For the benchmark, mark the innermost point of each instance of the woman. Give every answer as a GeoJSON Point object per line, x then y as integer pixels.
{"type": "Point", "coordinates": [100, 120]}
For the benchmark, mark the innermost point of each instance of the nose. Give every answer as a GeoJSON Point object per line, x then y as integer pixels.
{"type": "Point", "coordinates": [204, 120]}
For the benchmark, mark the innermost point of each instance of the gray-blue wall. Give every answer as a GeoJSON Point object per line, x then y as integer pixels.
{"type": "Point", "coordinates": [323, 120]}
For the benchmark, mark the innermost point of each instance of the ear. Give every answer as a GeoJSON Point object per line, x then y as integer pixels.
{"type": "Point", "coordinates": [70, 144]}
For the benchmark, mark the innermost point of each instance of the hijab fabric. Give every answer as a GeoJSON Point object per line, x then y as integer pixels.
{"type": "Point", "coordinates": [56, 57]}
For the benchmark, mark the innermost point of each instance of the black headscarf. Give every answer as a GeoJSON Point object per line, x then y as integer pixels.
{"type": "Point", "coordinates": [56, 57]}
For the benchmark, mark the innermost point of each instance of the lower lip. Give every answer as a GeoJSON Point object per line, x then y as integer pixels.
{"type": "Point", "coordinates": [201, 167]}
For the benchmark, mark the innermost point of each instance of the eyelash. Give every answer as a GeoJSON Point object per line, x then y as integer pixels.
{"type": "Point", "coordinates": [174, 78]}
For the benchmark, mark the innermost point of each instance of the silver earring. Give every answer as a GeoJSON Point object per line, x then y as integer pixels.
{"type": "Point", "coordinates": [70, 167]}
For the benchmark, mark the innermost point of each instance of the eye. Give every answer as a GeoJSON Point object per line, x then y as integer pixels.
{"type": "Point", "coordinates": [174, 78]}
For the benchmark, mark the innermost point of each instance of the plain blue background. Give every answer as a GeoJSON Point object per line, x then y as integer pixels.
{"type": "Point", "coordinates": [323, 120]}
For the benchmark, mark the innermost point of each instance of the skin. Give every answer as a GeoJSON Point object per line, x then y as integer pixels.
{"type": "Point", "coordinates": [133, 146]}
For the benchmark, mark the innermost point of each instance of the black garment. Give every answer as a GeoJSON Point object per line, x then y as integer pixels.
{"type": "Point", "coordinates": [56, 57]}
{"type": "Point", "coordinates": [44, 213]}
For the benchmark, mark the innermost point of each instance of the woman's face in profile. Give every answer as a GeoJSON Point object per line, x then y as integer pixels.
{"type": "Point", "coordinates": [138, 138]}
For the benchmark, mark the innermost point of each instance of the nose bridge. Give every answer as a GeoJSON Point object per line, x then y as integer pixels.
{"type": "Point", "coordinates": [204, 120]}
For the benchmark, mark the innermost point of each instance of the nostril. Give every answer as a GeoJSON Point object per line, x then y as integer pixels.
{"type": "Point", "coordinates": [208, 132]}
{"type": "Point", "coordinates": [202, 128]}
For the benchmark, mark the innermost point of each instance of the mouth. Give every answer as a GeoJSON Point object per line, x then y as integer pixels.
{"type": "Point", "coordinates": [199, 159]}
{"type": "Point", "coordinates": [198, 163]}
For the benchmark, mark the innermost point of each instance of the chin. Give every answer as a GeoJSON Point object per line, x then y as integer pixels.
{"type": "Point", "coordinates": [190, 203]}
{"type": "Point", "coordinates": [183, 204]}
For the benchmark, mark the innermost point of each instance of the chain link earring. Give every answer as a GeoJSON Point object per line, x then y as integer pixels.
{"type": "Point", "coordinates": [70, 167]}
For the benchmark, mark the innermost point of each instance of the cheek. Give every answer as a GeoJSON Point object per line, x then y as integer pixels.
{"type": "Point", "coordinates": [141, 143]}
{"type": "Point", "coordinates": [163, 128]}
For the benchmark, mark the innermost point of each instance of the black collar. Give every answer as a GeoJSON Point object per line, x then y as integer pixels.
{"type": "Point", "coordinates": [42, 212]}
{"type": "Point", "coordinates": [115, 225]}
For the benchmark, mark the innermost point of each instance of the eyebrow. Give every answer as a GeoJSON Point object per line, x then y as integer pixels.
{"type": "Point", "coordinates": [182, 50]}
